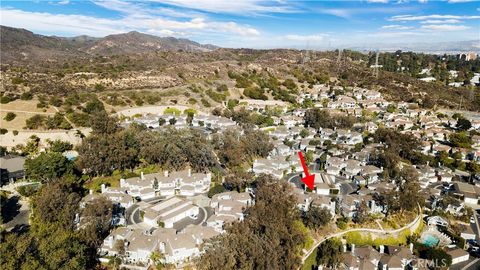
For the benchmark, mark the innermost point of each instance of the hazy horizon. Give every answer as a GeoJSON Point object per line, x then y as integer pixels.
{"type": "Point", "coordinates": [256, 23]}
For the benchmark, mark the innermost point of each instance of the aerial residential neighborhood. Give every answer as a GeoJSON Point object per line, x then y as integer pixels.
{"type": "Point", "coordinates": [283, 135]}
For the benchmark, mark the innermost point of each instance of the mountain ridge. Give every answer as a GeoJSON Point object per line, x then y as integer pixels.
{"type": "Point", "coordinates": [22, 44]}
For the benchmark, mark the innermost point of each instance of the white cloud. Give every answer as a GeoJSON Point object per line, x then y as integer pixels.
{"type": "Point", "coordinates": [423, 1]}
{"type": "Point", "coordinates": [304, 38]}
{"type": "Point", "coordinates": [378, 1]}
{"type": "Point", "coordinates": [140, 9]}
{"type": "Point", "coordinates": [243, 7]}
{"type": "Point", "coordinates": [396, 27]}
{"type": "Point", "coordinates": [87, 25]}
{"type": "Point", "coordinates": [445, 27]}
{"type": "Point", "coordinates": [64, 2]}
{"type": "Point", "coordinates": [343, 13]}
{"type": "Point", "coordinates": [459, 1]}
{"type": "Point", "coordinates": [396, 34]}
{"type": "Point", "coordinates": [428, 17]}
{"type": "Point", "coordinates": [440, 21]}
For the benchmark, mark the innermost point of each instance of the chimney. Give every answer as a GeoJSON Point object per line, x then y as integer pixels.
{"type": "Point", "coordinates": [411, 248]}
{"type": "Point", "coordinates": [141, 176]}
{"type": "Point", "coordinates": [165, 173]}
{"type": "Point", "coordinates": [189, 172]}
{"type": "Point", "coordinates": [353, 249]}
{"type": "Point", "coordinates": [103, 188]}
{"type": "Point", "coordinates": [382, 249]}
{"type": "Point", "coordinates": [90, 191]}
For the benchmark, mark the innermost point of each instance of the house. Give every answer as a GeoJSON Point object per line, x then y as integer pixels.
{"type": "Point", "coordinates": [138, 245]}
{"type": "Point", "coordinates": [115, 241]}
{"type": "Point", "coordinates": [458, 255]}
{"type": "Point", "coordinates": [352, 167]}
{"type": "Point", "coordinates": [396, 258]}
{"type": "Point", "coordinates": [275, 166]}
{"type": "Point", "coordinates": [117, 195]}
{"type": "Point", "coordinates": [180, 248]}
{"type": "Point", "coordinates": [138, 187]}
{"type": "Point", "coordinates": [228, 207]}
{"type": "Point", "coordinates": [322, 188]}
{"type": "Point", "coordinates": [324, 202]}
{"type": "Point", "coordinates": [183, 182]}
{"type": "Point", "coordinates": [470, 193]}
{"type": "Point", "coordinates": [11, 168]}
{"type": "Point", "coordinates": [349, 205]}
{"type": "Point", "coordinates": [371, 127]}
{"type": "Point", "coordinates": [343, 102]}
{"type": "Point", "coordinates": [168, 212]}
{"type": "Point", "coordinates": [467, 233]}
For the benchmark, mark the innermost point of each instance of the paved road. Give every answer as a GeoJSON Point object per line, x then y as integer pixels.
{"type": "Point", "coordinates": [471, 264]}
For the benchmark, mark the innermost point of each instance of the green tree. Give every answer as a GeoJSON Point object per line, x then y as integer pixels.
{"type": "Point", "coordinates": [35, 121]}
{"type": "Point", "coordinates": [59, 146]}
{"type": "Point", "coordinates": [304, 133]}
{"type": "Point", "coordinates": [460, 139]}
{"type": "Point", "coordinates": [48, 166]}
{"type": "Point", "coordinates": [316, 217]}
{"type": "Point", "coordinates": [463, 124]}
{"type": "Point", "coordinates": [281, 235]}
{"type": "Point", "coordinates": [330, 253]}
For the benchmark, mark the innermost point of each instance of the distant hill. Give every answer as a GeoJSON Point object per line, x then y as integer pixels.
{"type": "Point", "coordinates": [20, 44]}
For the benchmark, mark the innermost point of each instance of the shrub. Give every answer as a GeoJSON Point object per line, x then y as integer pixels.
{"type": "Point", "coordinates": [17, 80]}
{"type": "Point", "coordinates": [342, 225]}
{"type": "Point", "coordinates": [15, 132]}
{"type": "Point", "coordinates": [28, 190]}
{"type": "Point", "coordinates": [3, 131]}
{"type": "Point", "coordinates": [35, 121]}
{"type": "Point", "coordinates": [222, 88]}
{"type": "Point", "coordinates": [173, 111]}
{"type": "Point", "coordinates": [99, 87]}
{"type": "Point", "coordinates": [10, 116]}
{"type": "Point", "coordinates": [5, 99]}
{"type": "Point", "coordinates": [190, 111]}
{"type": "Point", "coordinates": [255, 93]}
{"type": "Point", "coordinates": [55, 101]}
{"type": "Point", "coordinates": [215, 190]}
{"type": "Point", "coordinates": [205, 103]}
{"type": "Point", "coordinates": [26, 96]}
{"type": "Point", "coordinates": [217, 97]}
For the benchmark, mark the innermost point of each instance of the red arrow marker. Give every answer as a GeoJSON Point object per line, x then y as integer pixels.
{"type": "Point", "coordinates": [309, 180]}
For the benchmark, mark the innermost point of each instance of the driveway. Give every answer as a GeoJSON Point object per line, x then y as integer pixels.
{"type": "Point", "coordinates": [16, 213]}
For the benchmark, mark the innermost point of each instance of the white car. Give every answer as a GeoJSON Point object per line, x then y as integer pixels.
{"type": "Point", "coordinates": [472, 219]}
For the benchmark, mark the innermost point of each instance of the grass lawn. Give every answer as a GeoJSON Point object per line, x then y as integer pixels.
{"type": "Point", "coordinates": [310, 261]}
{"type": "Point", "coordinates": [109, 181]}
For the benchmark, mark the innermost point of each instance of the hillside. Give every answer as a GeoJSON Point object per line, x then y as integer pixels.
{"type": "Point", "coordinates": [134, 69]}
{"type": "Point", "coordinates": [23, 45]}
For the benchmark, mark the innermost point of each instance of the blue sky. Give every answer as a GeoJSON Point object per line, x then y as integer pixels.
{"type": "Point", "coordinates": [255, 23]}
